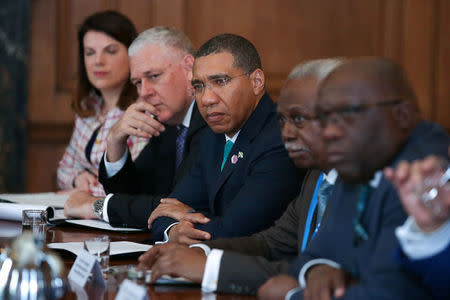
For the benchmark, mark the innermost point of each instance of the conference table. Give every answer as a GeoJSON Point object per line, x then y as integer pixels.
{"type": "Point", "coordinates": [70, 233]}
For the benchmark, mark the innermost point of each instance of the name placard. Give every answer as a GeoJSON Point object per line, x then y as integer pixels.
{"type": "Point", "coordinates": [84, 265]}
{"type": "Point", "coordinates": [131, 291]}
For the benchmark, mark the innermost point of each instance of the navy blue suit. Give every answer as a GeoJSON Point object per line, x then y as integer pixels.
{"type": "Point", "coordinates": [372, 262]}
{"type": "Point", "coordinates": [249, 194]}
{"type": "Point", "coordinates": [434, 271]}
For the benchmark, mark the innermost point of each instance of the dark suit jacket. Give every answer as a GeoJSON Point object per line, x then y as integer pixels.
{"type": "Point", "coordinates": [247, 195]}
{"type": "Point", "coordinates": [139, 186]}
{"type": "Point", "coordinates": [433, 271]}
{"type": "Point", "coordinates": [372, 261]}
{"type": "Point", "coordinates": [268, 252]}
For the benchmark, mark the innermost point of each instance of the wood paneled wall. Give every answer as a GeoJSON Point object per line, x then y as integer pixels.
{"type": "Point", "coordinates": [413, 32]}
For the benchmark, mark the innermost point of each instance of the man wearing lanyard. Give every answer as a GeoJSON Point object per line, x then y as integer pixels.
{"type": "Point", "coordinates": [268, 252]}
{"type": "Point", "coordinates": [370, 119]}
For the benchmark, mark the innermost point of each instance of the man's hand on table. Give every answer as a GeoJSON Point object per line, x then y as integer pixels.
{"type": "Point", "coordinates": [175, 209]}
{"type": "Point", "coordinates": [79, 205]}
{"type": "Point", "coordinates": [324, 282]}
{"type": "Point", "coordinates": [277, 287]}
{"type": "Point", "coordinates": [185, 233]}
{"type": "Point", "coordinates": [175, 260]}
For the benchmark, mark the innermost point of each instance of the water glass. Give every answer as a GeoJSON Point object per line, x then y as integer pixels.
{"type": "Point", "coordinates": [35, 221]}
{"type": "Point", "coordinates": [99, 246]}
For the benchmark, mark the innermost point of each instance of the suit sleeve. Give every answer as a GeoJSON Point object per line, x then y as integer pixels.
{"type": "Point", "coordinates": [252, 272]}
{"type": "Point", "coordinates": [125, 210]}
{"type": "Point", "coordinates": [125, 181]}
{"type": "Point", "coordinates": [433, 271]}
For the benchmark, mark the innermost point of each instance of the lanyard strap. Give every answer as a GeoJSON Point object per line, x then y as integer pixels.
{"type": "Point", "coordinates": [312, 208]}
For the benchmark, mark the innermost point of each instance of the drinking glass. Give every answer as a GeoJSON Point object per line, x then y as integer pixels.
{"type": "Point", "coordinates": [99, 246]}
{"type": "Point", "coordinates": [35, 221]}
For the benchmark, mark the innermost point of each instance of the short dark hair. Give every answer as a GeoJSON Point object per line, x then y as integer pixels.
{"type": "Point", "coordinates": [245, 55]}
{"type": "Point", "coordinates": [121, 29]}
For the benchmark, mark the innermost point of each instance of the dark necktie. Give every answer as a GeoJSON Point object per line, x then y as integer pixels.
{"type": "Point", "coordinates": [228, 145]}
{"type": "Point", "coordinates": [180, 141]}
{"type": "Point", "coordinates": [322, 197]}
{"type": "Point", "coordinates": [360, 233]}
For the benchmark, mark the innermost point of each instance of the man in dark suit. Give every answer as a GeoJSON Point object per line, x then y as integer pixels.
{"type": "Point", "coordinates": [243, 178]}
{"type": "Point", "coordinates": [269, 252]}
{"type": "Point", "coordinates": [425, 236]}
{"type": "Point", "coordinates": [161, 61]}
{"type": "Point", "coordinates": [370, 119]}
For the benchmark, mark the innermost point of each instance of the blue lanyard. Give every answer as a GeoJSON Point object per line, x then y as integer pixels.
{"type": "Point", "coordinates": [312, 208]}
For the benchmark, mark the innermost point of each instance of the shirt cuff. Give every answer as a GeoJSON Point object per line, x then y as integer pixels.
{"type": "Point", "coordinates": [212, 268]}
{"type": "Point", "coordinates": [417, 244]}
{"type": "Point", "coordinates": [112, 168]}
{"type": "Point", "coordinates": [105, 208]}
{"type": "Point", "coordinates": [204, 247]}
{"type": "Point", "coordinates": [166, 234]}
{"type": "Point", "coordinates": [292, 292]}
{"type": "Point", "coordinates": [311, 263]}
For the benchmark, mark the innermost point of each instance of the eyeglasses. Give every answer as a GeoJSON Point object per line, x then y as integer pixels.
{"type": "Point", "coordinates": [345, 114]}
{"type": "Point", "coordinates": [215, 84]}
{"type": "Point", "coordinates": [297, 120]}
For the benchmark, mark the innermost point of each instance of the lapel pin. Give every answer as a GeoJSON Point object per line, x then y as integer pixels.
{"type": "Point", "coordinates": [234, 159]}
{"type": "Point", "coordinates": [240, 154]}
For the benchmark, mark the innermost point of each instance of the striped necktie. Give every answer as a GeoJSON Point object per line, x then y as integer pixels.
{"type": "Point", "coordinates": [322, 197]}
{"type": "Point", "coordinates": [180, 141]}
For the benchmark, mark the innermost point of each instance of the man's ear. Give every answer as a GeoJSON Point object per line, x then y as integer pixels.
{"type": "Point", "coordinates": [188, 64]}
{"type": "Point", "coordinates": [258, 81]}
{"type": "Point", "coordinates": [404, 114]}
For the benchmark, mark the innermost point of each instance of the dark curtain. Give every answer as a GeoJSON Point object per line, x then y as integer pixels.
{"type": "Point", "coordinates": [14, 53]}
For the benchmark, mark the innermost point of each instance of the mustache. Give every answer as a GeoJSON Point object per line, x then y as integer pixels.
{"type": "Point", "coordinates": [294, 147]}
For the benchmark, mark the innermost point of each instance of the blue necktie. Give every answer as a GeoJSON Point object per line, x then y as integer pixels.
{"type": "Point", "coordinates": [322, 197]}
{"type": "Point", "coordinates": [228, 145]}
{"type": "Point", "coordinates": [180, 141]}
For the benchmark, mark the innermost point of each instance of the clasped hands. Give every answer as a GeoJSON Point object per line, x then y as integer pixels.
{"type": "Point", "coordinates": [184, 232]}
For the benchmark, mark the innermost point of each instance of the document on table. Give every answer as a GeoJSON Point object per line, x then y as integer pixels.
{"type": "Point", "coordinates": [11, 205]}
{"type": "Point", "coordinates": [116, 248]}
{"type": "Point", "coordinates": [46, 199]}
{"type": "Point", "coordinates": [13, 211]}
{"type": "Point", "coordinates": [100, 225]}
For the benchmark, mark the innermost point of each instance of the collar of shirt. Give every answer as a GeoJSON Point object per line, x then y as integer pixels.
{"type": "Point", "coordinates": [187, 117]}
{"type": "Point", "coordinates": [375, 182]}
{"type": "Point", "coordinates": [233, 139]}
{"type": "Point", "coordinates": [331, 176]}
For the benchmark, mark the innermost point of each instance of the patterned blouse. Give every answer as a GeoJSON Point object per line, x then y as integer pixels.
{"type": "Point", "coordinates": [74, 160]}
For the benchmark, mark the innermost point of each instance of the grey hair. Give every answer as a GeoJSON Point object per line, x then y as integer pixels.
{"type": "Point", "coordinates": [317, 68]}
{"type": "Point", "coordinates": [164, 36]}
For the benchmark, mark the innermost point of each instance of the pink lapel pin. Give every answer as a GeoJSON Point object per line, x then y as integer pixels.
{"type": "Point", "coordinates": [235, 158]}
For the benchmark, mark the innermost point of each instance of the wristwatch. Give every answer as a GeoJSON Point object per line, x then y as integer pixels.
{"type": "Point", "coordinates": [98, 208]}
